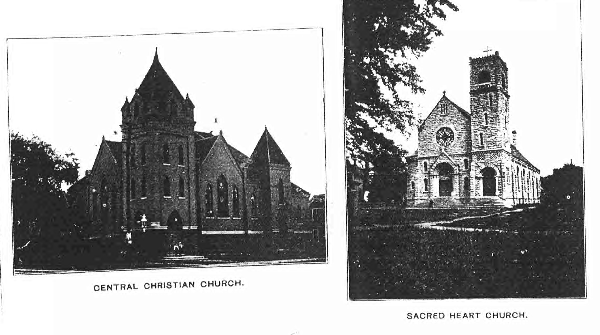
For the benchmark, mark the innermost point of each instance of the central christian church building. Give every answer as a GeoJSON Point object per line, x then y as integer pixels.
{"type": "Point", "coordinates": [469, 158]}
{"type": "Point", "coordinates": [163, 175]}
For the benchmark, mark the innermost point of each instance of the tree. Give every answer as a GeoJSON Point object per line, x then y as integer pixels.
{"type": "Point", "coordinates": [380, 38]}
{"type": "Point", "coordinates": [564, 188]}
{"type": "Point", "coordinates": [387, 180]}
{"type": "Point", "coordinates": [39, 202]}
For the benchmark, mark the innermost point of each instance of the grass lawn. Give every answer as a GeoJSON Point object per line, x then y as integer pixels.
{"type": "Point", "coordinates": [404, 262]}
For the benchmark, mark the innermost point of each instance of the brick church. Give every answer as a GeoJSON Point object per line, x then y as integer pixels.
{"type": "Point", "coordinates": [469, 158]}
{"type": "Point", "coordinates": [165, 176]}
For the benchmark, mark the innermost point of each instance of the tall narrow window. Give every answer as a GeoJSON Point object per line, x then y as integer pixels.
{"type": "Point", "coordinates": [132, 188]}
{"type": "Point", "coordinates": [466, 164]}
{"type": "Point", "coordinates": [281, 192]}
{"type": "Point", "coordinates": [144, 194]}
{"type": "Point", "coordinates": [425, 166]}
{"type": "Point", "coordinates": [481, 139]}
{"type": "Point", "coordinates": [426, 184]}
{"type": "Point", "coordinates": [485, 116]}
{"type": "Point", "coordinates": [412, 186]}
{"type": "Point", "coordinates": [236, 202]}
{"type": "Point", "coordinates": [253, 207]}
{"type": "Point", "coordinates": [208, 199]}
{"type": "Point", "coordinates": [466, 186]}
{"type": "Point", "coordinates": [133, 155]}
{"type": "Point", "coordinates": [166, 187]}
{"type": "Point", "coordinates": [143, 154]}
{"type": "Point", "coordinates": [180, 154]}
{"type": "Point", "coordinates": [166, 158]}
{"type": "Point", "coordinates": [222, 197]}
{"type": "Point", "coordinates": [181, 188]}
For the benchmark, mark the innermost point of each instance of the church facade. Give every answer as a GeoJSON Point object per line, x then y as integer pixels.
{"type": "Point", "coordinates": [470, 158]}
{"type": "Point", "coordinates": [164, 176]}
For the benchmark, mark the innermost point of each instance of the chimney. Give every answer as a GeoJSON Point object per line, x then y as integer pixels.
{"type": "Point", "coordinates": [514, 141]}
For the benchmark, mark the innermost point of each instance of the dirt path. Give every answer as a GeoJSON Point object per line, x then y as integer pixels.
{"type": "Point", "coordinates": [436, 224]}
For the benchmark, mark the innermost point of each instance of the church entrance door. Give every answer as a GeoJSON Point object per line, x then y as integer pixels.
{"type": "Point", "coordinates": [445, 175]}
{"type": "Point", "coordinates": [489, 181]}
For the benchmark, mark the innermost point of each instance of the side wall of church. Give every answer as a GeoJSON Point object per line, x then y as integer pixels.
{"type": "Point", "coordinates": [219, 162]}
{"type": "Point", "coordinates": [279, 204]}
{"type": "Point", "coordinates": [104, 194]}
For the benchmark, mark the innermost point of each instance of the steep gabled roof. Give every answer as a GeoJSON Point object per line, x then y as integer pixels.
{"type": "Point", "coordinates": [444, 97]}
{"type": "Point", "coordinates": [239, 157]}
{"type": "Point", "coordinates": [267, 151]}
{"type": "Point", "coordinates": [157, 85]}
{"type": "Point", "coordinates": [198, 135]}
{"type": "Point", "coordinates": [300, 190]}
{"type": "Point", "coordinates": [116, 151]}
{"type": "Point", "coordinates": [203, 147]}
{"type": "Point", "coordinates": [518, 155]}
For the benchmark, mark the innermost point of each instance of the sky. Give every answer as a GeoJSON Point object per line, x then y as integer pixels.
{"type": "Point", "coordinates": [540, 42]}
{"type": "Point", "coordinates": [69, 92]}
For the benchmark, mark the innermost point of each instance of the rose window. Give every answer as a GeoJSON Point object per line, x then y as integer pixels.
{"type": "Point", "coordinates": [444, 136]}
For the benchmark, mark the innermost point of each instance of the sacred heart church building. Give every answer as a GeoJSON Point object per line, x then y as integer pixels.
{"type": "Point", "coordinates": [469, 158]}
{"type": "Point", "coordinates": [163, 176]}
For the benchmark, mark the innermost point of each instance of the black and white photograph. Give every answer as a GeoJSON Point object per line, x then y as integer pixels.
{"type": "Point", "coordinates": [464, 147]}
{"type": "Point", "coordinates": [167, 150]}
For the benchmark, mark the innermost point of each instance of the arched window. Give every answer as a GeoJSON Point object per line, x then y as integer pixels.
{"type": "Point", "coordinates": [143, 154]}
{"type": "Point", "coordinates": [222, 197]}
{"type": "Point", "coordinates": [281, 192]}
{"type": "Point", "coordinates": [166, 187]}
{"type": "Point", "coordinates": [132, 188]}
{"type": "Point", "coordinates": [166, 158]}
{"type": "Point", "coordinates": [144, 194]}
{"type": "Point", "coordinates": [425, 166]}
{"type": "Point", "coordinates": [484, 77]}
{"type": "Point", "coordinates": [236, 202]}
{"type": "Point", "coordinates": [181, 187]}
{"type": "Point", "coordinates": [481, 139]}
{"type": "Point", "coordinates": [208, 199]}
{"type": "Point", "coordinates": [94, 205]}
{"type": "Point", "coordinates": [466, 164]}
{"type": "Point", "coordinates": [253, 205]}
{"type": "Point", "coordinates": [180, 154]}
{"type": "Point", "coordinates": [133, 155]}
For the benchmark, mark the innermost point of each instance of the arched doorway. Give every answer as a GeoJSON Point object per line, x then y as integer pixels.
{"type": "Point", "coordinates": [489, 181]}
{"type": "Point", "coordinates": [174, 221]}
{"type": "Point", "coordinates": [445, 172]}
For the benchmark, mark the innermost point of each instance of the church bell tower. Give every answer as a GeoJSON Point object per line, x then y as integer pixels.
{"type": "Point", "coordinates": [489, 103]}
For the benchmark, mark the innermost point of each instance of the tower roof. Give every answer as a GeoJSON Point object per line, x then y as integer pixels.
{"type": "Point", "coordinates": [157, 85]}
{"type": "Point", "coordinates": [267, 151]}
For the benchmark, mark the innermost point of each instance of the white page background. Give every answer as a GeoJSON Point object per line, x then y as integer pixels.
{"type": "Point", "coordinates": [292, 299]}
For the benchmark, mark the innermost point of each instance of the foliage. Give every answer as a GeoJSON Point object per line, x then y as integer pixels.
{"type": "Point", "coordinates": [387, 181]}
{"type": "Point", "coordinates": [564, 187]}
{"type": "Point", "coordinates": [39, 202]}
{"type": "Point", "coordinates": [380, 37]}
